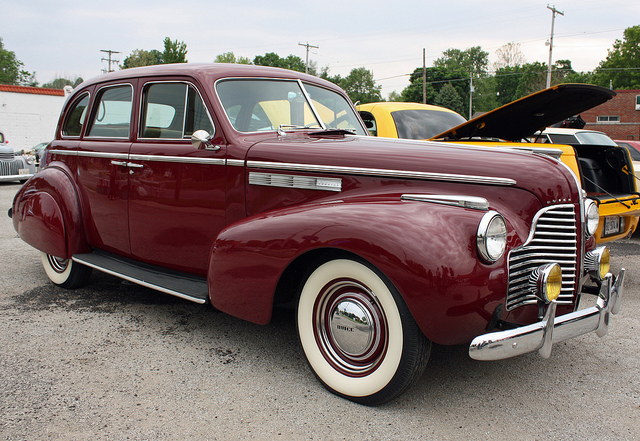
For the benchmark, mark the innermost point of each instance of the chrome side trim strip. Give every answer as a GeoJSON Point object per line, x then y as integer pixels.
{"type": "Point", "coordinates": [235, 162]}
{"type": "Point", "coordinates": [473, 202]}
{"type": "Point", "coordinates": [140, 282]}
{"type": "Point", "coordinates": [183, 159]}
{"type": "Point", "coordinates": [374, 172]}
{"type": "Point", "coordinates": [295, 181]}
{"type": "Point", "coordinates": [151, 158]}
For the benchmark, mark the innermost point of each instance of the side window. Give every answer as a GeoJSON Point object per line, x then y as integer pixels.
{"type": "Point", "coordinates": [76, 116]}
{"type": "Point", "coordinates": [173, 111]}
{"type": "Point", "coordinates": [369, 122]}
{"type": "Point", "coordinates": [112, 117]}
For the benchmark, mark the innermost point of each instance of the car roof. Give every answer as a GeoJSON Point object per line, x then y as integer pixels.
{"type": "Point", "coordinates": [206, 71]}
{"type": "Point", "coordinates": [395, 106]}
{"type": "Point", "coordinates": [568, 131]}
{"type": "Point", "coordinates": [522, 118]}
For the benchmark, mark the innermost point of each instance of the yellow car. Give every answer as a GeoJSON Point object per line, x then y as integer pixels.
{"type": "Point", "coordinates": [407, 120]}
{"type": "Point", "coordinates": [605, 172]}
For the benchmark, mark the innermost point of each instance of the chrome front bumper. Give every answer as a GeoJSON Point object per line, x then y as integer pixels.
{"type": "Point", "coordinates": [8, 178]}
{"type": "Point", "coordinates": [542, 335]}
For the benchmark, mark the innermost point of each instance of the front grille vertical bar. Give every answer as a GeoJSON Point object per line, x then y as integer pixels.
{"type": "Point", "coordinates": [553, 239]}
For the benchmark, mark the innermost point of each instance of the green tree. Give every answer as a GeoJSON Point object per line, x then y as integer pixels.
{"type": "Point", "coordinates": [11, 69]}
{"type": "Point", "coordinates": [174, 51]}
{"type": "Point", "coordinates": [360, 86]}
{"type": "Point", "coordinates": [60, 83]}
{"type": "Point", "coordinates": [229, 57]}
{"type": "Point", "coordinates": [448, 97]}
{"type": "Point", "coordinates": [141, 57]}
{"type": "Point", "coordinates": [621, 68]}
{"type": "Point", "coordinates": [471, 61]}
{"type": "Point", "coordinates": [507, 79]}
{"type": "Point", "coordinates": [394, 96]}
{"type": "Point", "coordinates": [291, 62]}
{"type": "Point", "coordinates": [324, 74]}
{"type": "Point", "coordinates": [436, 78]}
{"type": "Point", "coordinates": [484, 95]}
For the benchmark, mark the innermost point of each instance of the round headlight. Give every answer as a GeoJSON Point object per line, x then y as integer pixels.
{"type": "Point", "coordinates": [492, 236]}
{"type": "Point", "coordinates": [592, 216]}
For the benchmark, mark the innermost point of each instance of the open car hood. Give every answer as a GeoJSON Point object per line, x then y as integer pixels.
{"type": "Point", "coordinates": [521, 118]}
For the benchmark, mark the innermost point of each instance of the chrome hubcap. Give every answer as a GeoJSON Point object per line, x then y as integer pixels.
{"type": "Point", "coordinates": [350, 327]}
{"type": "Point", "coordinates": [57, 264]}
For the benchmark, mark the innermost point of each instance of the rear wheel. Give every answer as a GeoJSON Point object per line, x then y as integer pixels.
{"type": "Point", "coordinates": [65, 272]}
{"type": "Point", "coordinates": [358, 334]}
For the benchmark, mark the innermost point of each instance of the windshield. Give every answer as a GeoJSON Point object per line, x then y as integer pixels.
{"type": "Point", "coordinates": [594, 138]}
{"type": "Point", "coordinates": [254, 105]}
{"type": "Point", "coordinates": [424, 123]}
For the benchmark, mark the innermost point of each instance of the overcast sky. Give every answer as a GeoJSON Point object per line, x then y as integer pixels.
{"type": "Point", "coordinates": [63, 38]}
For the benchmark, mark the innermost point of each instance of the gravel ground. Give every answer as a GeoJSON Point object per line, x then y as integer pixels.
{"type": "Point", "coordinates": [118, 361]}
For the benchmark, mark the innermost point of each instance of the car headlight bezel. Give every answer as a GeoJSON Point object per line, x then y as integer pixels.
{"type": "Point", "coordinates": [491, 238]}
{"type": "Point", "coordinates": [591, 217]}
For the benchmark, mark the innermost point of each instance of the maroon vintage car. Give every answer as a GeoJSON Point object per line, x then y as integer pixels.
{"type": "Point", "coordinates": [249, 187]}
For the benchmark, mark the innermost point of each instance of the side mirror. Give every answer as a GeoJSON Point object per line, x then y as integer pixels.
{"type": "Point", "coordinates": [201, 140]}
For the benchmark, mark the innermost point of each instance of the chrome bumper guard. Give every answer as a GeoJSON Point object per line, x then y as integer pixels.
{"type": "Point", "coordinates": [542, 335]}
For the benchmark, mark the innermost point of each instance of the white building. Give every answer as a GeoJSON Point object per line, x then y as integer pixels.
{"type": "Point", "coordinates": [29, 115]}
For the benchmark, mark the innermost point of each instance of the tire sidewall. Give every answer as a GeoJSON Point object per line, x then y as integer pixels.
{"type": "Point", "coordinates": [58, 278]}
{"type": "Point", "coordinates": [342, 384]}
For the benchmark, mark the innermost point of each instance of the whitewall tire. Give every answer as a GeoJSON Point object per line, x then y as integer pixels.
{"type": "Point", "coordinates": [65, 272]}
{"type": "Point", "coordinates": [358, 334]}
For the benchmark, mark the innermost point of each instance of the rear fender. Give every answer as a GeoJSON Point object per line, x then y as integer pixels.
{"type": "Point", "coordinates": [428, 251]}
{"type": "Point", "coordinates": [46, 213]}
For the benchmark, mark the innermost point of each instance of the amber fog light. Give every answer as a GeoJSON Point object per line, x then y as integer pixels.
{"type": "Point", "coordinates": [598, 262]}
{"type": "Point", "coordinates": [546, 280]}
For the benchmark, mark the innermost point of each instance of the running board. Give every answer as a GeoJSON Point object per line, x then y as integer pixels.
{"type": "Point", "coordinates": [177, 284]}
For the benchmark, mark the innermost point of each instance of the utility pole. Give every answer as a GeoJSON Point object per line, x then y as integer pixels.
{"type": "Point", "coordinates": [306, 63]}
{"type": "Point", "coordinates": [471, 89]}
{"type": "Point", "coordinates": [424, 76]}
{"type": "Point", "coordinates": [109, 60]}
{"type": "Point", "coordinates": [554, 11]}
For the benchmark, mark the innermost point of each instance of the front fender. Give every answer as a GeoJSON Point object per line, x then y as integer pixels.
{"type": "Point", "coordinates": [46, 214]}
{"type": "Point", "coordinates": [428, 251]}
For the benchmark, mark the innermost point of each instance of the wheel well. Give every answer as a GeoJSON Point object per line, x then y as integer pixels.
{"type": "Point", "coordinates": [292, 278]}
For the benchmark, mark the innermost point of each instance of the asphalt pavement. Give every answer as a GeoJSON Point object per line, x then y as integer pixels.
{"type": "Point", "coordinates": [115, 360]}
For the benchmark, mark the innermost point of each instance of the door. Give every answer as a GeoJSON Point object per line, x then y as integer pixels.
{"type": "Point", "coordinates": [102, 173]}
{"type": "Point", "coordinates": [176, 191]}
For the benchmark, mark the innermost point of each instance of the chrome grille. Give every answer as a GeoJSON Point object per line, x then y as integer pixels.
{"type": "Point", "coordinates": [7, 155]}
{"type": "Point", "coordinates": [9, 168]}
{"type": "Point", "coordinates": [553, 239]}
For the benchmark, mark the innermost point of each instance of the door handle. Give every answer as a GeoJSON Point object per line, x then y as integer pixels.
{"type": "Point", "coordinates": [122, 163]}
{"type": "Point", "coordinates": [134, 165]}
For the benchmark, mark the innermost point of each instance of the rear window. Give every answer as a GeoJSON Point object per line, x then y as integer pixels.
{"type": "Point", "coordinates": [563, 139]}
{"type": "Point", "coordinates": [424, 123]}
{"type": "Point", "coordinates": [112, 114]}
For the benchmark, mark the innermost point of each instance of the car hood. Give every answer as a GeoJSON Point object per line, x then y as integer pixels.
{"type": "Point", "coordinates": [400, 158]}
{"type": "Point", "coordinates": [524, 117]}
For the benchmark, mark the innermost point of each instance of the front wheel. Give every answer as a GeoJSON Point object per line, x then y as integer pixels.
{"type": "Point", "coordinates": [65, 272]}
{"type": "Point", "coordinates": [358, 334]}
